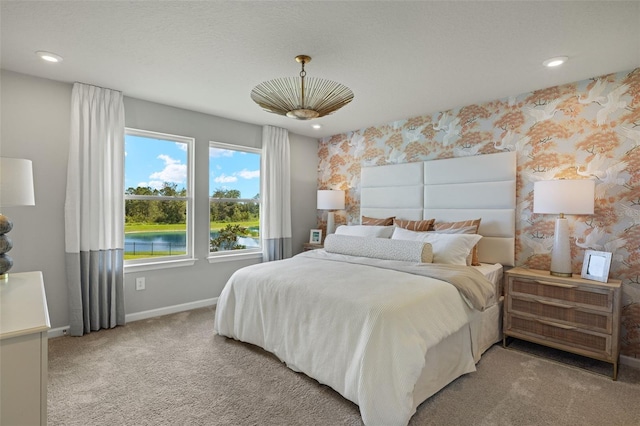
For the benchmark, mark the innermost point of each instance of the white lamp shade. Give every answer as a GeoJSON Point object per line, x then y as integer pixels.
{"type": "Point", "coordinates": [564, 196]}
{"type": "Point", "coordinates": [329, 199]}
{"type": "Point", "coordinates": [16, 182]}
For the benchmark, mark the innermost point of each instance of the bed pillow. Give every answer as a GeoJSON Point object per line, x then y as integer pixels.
{"type": "Point", "coordinates": [379, 248]}
{"type": "Point", "coordinates": [447, 248]}
{"type": "Point", "coordinates": [372, 231]}
{"type": "Point", "coordinates": [461, 227]}
{"type": "Point", "coordinates": [414, 225]}
{"type": "Point", "coordinates": [378, 222]}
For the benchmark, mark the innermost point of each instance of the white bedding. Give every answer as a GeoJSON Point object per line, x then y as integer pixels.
{"type": "Point", "coordinates": [362, 330]}
{"type": "Point", "coordinates": [493, 273]}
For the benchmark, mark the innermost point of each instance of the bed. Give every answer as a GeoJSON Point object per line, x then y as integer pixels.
{"type": "Point", "coordinates": [383, 331]}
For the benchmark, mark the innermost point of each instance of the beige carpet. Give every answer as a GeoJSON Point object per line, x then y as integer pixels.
{"type": "Point", "coordinates": [173, 370]}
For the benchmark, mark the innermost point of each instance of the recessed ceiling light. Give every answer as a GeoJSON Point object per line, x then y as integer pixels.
{"type": "Point", "coordinates": [317, 126]}
{"type": "Point", "coordinates": [554, 62]}
{"type": "Point", "coordinates": [48, 56]}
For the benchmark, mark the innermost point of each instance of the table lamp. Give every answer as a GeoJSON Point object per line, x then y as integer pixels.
{"type": "Point", "coordinates": [565, 196]}
{"type": "Point", "coordinates": [329, 199]}
{"type": "Point", "coordinates": [16, 189]}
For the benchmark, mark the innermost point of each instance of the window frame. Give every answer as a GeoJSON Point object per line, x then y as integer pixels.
{"type": "Point", "coordinates": [187, 259]}
{"type": "Point", "coordinates": [247, 253]}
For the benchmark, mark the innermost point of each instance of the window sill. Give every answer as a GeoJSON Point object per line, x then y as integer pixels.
{"type": "Point", "coordinates": [138, 267]}
{"type": "Point", "coordinates": [228, 257]}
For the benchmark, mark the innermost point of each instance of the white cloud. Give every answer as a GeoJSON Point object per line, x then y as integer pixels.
{"type": "Point", "coordinates": [173, 172]}
{"type": "Point", "coordinates": [182, 146]}
{"type": "Point", "coordinates": [156, 184]}
{"type": "Point", "coordinates": [218, 152]}
{"type": "Point", "coordinates": [225, 179]}
{"type": "Point", "coordinates": [244, 174]}
{"type": "Point", "coordinates": [168, 160]}
{"type": "Point", "coordinates": [248, 174]}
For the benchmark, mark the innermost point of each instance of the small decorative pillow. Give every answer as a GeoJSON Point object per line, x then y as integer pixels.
{"type": "Point", "coordinates": [372, 231]}
{"type": "Point", "coordinates": [447, 248]}
{"type": "Point", "coordinates": [378, 222]}
{"type": "Point", "coordinates": [414, 225]}
{"type": "Point", "coordinates": [462, 227]}
{"type": "Point", "coordinates": [379, 248]}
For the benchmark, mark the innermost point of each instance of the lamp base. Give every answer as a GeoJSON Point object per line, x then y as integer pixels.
{"type": "Point", "coordinates": [561, 252]}
{"type": "Point", "coordinates": [561, 274]}
{"type": "Point", "coordinates": [331, 224]}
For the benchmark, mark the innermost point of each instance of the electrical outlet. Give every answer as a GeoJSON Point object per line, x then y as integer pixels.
{"type": "Point", "coordinates": [140, 285]}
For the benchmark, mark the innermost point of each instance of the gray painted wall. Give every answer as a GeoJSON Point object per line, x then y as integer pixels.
{"type": "Point", "coordinates": [35, 125]}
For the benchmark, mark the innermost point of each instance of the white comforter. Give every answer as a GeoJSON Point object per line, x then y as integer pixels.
{"type": "Point", "coordinates": [362, 330]}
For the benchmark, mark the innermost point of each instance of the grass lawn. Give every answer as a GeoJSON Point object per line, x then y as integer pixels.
{"type": "Point", "coordinates": [172, 227]}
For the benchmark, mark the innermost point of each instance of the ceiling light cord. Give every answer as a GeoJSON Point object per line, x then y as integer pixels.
{"type": "Point", "coordinates": [303, 74]}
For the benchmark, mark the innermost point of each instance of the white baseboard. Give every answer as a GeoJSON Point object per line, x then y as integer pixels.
{"type": "Point", "coordinates": [170, 310]}
{"type": "Point", "coordinates": [630, 361]}
{"type": "Point", "coordinates": [137, 316]}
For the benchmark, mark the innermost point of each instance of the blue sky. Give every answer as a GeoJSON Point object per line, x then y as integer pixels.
{"type": "Point", "coordinates": [150, 162]}
{"type": "Point", "coordinates": [234, 170]}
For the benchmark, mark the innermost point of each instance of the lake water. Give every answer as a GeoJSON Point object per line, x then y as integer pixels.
{"type": "Point", "coordinates": [170, 241]}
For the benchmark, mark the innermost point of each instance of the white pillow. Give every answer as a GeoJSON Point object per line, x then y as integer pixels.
{"type": "Point", "coordinates": [379, 248]}
{"type": "Point", "coordinates": [447, 248]}
{"type": "Point", "coordinates": [375, 231]}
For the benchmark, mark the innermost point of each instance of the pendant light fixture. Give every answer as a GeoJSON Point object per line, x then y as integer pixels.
{"type": "Point", "coordinates": [301, 98]}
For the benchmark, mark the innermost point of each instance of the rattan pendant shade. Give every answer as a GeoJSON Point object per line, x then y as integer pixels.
{"type": "Point", "coordinates": [300, 97]}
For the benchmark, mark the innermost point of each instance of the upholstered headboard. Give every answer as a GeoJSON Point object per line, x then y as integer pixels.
{"type": "Point", "coordinates": [454, 189]}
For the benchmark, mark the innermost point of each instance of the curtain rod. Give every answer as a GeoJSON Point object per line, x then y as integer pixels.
{"type": "Point", "coordinates": [94, 85]}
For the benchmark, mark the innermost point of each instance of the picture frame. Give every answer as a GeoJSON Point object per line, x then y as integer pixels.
{"type": "Point", "coordinates": [315, 236]}
{"type": "Point", "coordinates": [596, 265]}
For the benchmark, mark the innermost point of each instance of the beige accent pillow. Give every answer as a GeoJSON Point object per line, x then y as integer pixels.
{"type": "Point", "coordinates": [462, 227]}
{"type": "Point", "coordinates": [378, 222]}
{"type": "Point", "coordinates": [414, 225]}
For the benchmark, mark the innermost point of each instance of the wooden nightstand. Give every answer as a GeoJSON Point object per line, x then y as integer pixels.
{"type": "Point", "coordinates": [311, 246]}
{"type": "Point", "coordinates": [572, 314]}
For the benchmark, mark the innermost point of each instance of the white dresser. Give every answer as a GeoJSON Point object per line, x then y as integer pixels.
{"type": "Point", "coordinates": [24, 322]}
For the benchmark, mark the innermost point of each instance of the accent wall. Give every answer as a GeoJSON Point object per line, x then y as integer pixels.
{"type": "Point", "coordinates": [587, 129]}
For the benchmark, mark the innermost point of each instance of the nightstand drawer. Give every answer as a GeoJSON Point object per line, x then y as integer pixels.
{"type": "Point", "coordinates": [557, 311]}
{"type": "Point", "coordinates": [565, 337]}
{"type": "Point", "coordinates": [596, 298]}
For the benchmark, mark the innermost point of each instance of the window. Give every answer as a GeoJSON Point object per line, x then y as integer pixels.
{"type": "Point", "coordinates": [158, 197]}
{"type": "Point", "coordinates": [234, 203]}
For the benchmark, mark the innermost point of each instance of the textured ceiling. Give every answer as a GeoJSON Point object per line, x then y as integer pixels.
{"type": "Point", "coordinates": [401, 59]}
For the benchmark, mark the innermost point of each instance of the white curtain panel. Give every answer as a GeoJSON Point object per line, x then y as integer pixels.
{"type": "Point", "coordinates": [94, 210]}
{"type": "Point", "coordinates": [275, 218]}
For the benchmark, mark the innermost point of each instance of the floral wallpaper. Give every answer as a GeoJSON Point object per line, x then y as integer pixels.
{"type": "Point", "coordinates": [586, 129]}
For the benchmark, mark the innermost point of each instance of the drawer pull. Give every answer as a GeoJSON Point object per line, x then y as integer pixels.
{"type": "Point", "coordinates": [555, 305]}
{"type": "Point", "coordinates": [557, 284]}
{"type": "Point", "coordinates": [553, 324]}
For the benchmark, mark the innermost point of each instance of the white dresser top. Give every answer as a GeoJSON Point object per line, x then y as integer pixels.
{"type": "Point", "coordinates": [23, 305]}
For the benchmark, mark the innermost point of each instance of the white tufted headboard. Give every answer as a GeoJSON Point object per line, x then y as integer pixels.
{"type": "Point", "coordinates": [453, 189]}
